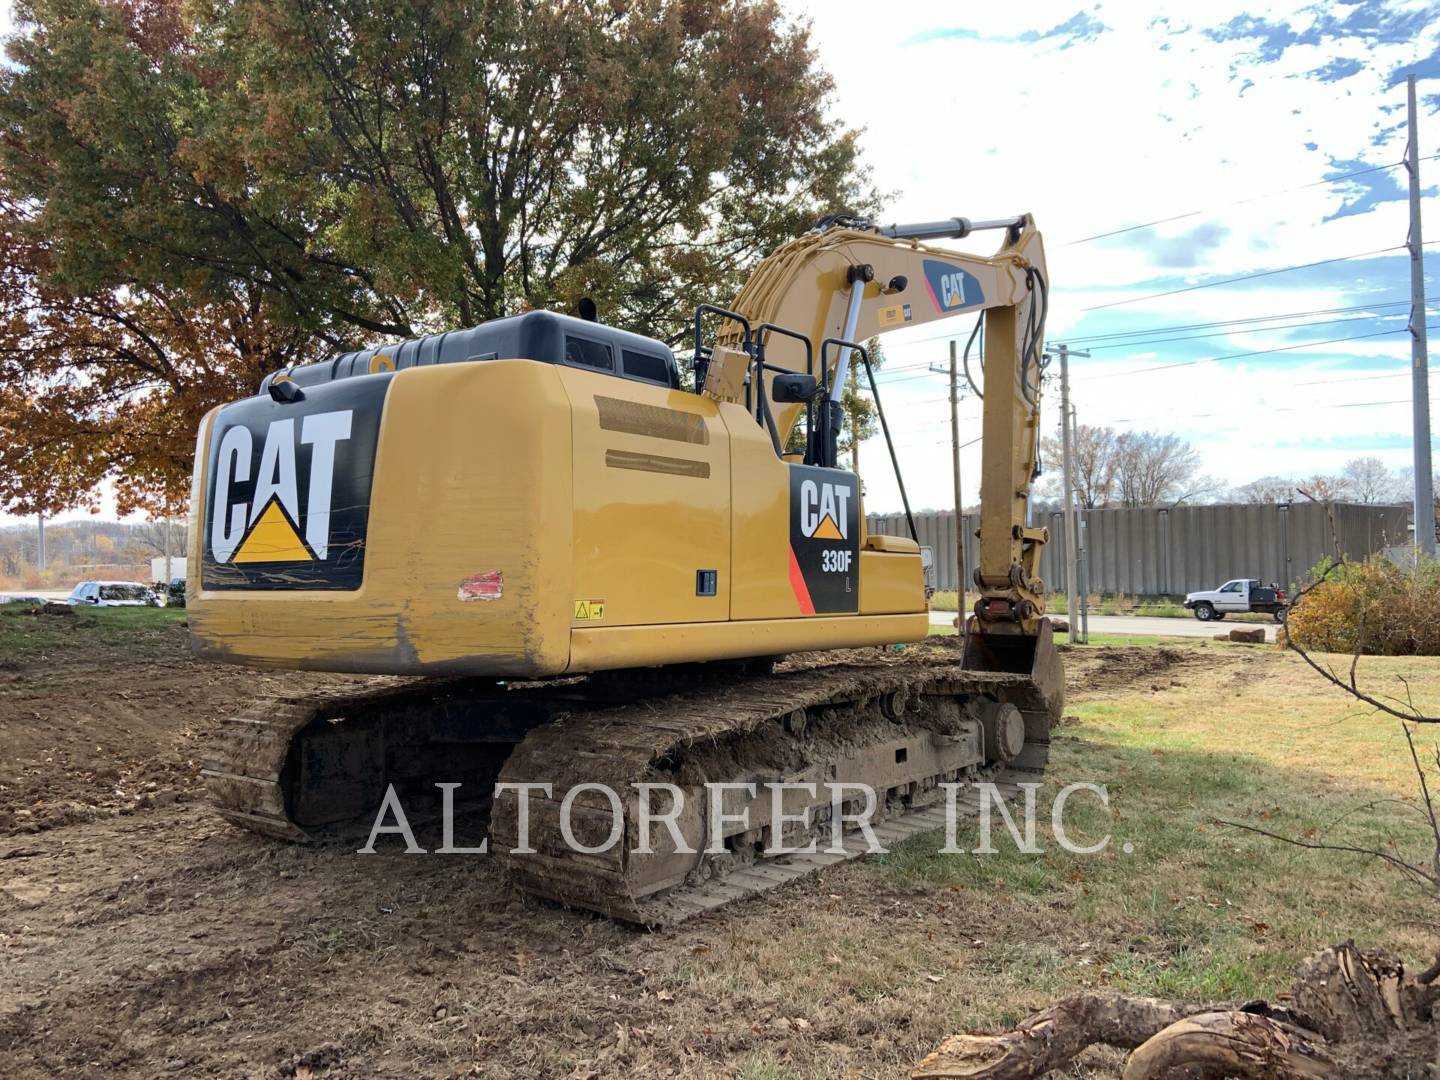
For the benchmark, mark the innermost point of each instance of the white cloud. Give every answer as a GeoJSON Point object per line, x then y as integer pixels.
{"type": "Point", "coordinates": [1134, 125]}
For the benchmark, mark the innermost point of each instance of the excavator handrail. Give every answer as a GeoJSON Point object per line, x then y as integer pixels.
{"type": "Point", "coordinates": [762, 402]}
{"type": "Point", "coordinates": [832, 450]}
{"type": "Point", "coordinates": [776, 328]}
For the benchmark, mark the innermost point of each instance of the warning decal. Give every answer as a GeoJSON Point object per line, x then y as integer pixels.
{"type": "Point", "coordinates": [896, 315]}
{"type": "Point", "coordinates": [589, 610]}
{"type": "Point", "coordinates": [824, 540]}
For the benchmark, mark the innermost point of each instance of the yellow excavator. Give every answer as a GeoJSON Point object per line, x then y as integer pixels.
{"type": "Point", "coordinates": [586, 573]}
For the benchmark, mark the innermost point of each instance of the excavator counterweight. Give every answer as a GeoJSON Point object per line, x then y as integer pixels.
{"type": "Point", "coordinates": [583, 574]}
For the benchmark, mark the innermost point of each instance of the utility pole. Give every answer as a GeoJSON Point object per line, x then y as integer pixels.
{"type": "Point", "coordinates": [1419, 350]}
{"type": "Point", "coordinates": [959, 500]}
{"type": "Point", "coordinates": [40, 543]}
{"type": "Point", "coordinates": [1082, 557]}
{"type": "Point", "coordinates": [953, 372]}
{"type": "Point", "coordinates": [1067, 453]}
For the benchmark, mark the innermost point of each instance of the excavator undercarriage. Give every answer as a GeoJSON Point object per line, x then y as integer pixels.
{"type": "Point", "coordinates": [311, 768]}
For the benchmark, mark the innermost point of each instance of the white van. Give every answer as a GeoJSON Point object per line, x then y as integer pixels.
{"type": "Point", "coordinates": [113, 594]}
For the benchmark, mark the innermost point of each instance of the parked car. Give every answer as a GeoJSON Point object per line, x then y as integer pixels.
{"type": "Point", "coordinates": [22, 598]}
{"type": "Point", "coordinates": [113, 594]}
{"type": "Point", "coordinates": [174, 593]}
{"type": "Point", "coordinates": [1242, 594]}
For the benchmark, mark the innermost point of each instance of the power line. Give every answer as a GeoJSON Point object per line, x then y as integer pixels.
{"type": "Point", "coordinates": [1147, 342]}
{"type": "Point", "coordinates": [1189, 415]}
{"type": "Point", "coordinates": [1241, 202]}
{"type": "Point", "coordinates": [1198, 416]}
{"type": "Point", "coordinates": [1256, 352]}
{"type": "Point", "coordinates": [917, 374]}
{"type": "Point", "coordinates": [1182, 327]}
{"type": "Point", "coordinates": [1248, 277]}
{"type": "Point", "coordinates": [1175, 328]}
{"type": "Point", "coordinates": [1268, 410]}
{"type": "Point", "coordinates": [1213, 359]}
{"type": "Point", "coordinates": [1356, 378]}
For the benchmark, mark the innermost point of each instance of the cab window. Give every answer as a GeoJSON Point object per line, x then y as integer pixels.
{"type": "Point", "coordinates": [1230, 586]}
{"type": "Point", "coordinates": [647, 366]}
{"type": "Point", "coordinates": [591, 354]}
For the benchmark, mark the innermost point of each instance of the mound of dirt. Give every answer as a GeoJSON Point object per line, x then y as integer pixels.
{"type": "Point", "coordinates": [1107, 670]}
{"type": "Point", "coordinates": [97, 725]}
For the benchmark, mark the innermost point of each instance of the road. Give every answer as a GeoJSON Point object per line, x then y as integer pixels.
{"type": "Point", "coordinates": [1142, 624]}
{"type": "Point", "coordinates": [48, 594]}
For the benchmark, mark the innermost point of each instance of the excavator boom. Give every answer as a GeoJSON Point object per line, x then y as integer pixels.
{"type": "Point", "coordinates": [852, 281]}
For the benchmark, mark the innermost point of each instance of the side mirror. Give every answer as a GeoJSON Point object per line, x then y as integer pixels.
{"type": "Point", "coordinates": [793, 388]}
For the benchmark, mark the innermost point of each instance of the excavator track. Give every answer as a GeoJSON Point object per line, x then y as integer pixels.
{"type": "Point", "coordinates": [304, 767]}
{"type": "Point", "coordinates": [902, 729]}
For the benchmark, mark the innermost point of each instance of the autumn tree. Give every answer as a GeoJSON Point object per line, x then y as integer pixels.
{"type": "Point", "coordinates": [396, 168]}
{"type": "Point", "coordinates": [113, 383]}
{"type": "Point", "coordinates": [1322, 487]}
{"type": "Point", "coordinates": [346, 171]}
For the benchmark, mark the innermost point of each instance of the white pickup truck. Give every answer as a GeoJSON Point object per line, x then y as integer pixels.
{"type": "Point", "coordinates": [1242, 594]}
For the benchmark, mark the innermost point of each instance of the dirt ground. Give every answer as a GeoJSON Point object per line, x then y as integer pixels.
{"type": "Point", "coordinates": [140, 935]}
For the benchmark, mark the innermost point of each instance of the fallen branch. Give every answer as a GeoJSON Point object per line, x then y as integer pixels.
{"type": "Point", "coordinates": [1356, 1014]}
{"type": "Point", "coordinates": [1051, 1039]}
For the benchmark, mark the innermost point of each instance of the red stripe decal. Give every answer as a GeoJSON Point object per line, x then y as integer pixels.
{"type": "Point", "coordinates": [797, 582]}
{"type": "Point", "coordinates": [933, 298]}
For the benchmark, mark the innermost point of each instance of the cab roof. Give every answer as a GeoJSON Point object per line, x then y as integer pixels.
{"type": "Point", "coordinates": [535, 335]}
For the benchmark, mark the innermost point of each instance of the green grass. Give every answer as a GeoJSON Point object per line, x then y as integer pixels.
{"type": "Point", "coordinates": [881, 959]}
{"type": "Point", "coordinates": [1196, 909]}
{"type": "Point", "coordinates": [23, 633]}
{"type": "Point", "coordinates": [763, 1065]}
{"type": "Point", "coordinates": [1119, 639]}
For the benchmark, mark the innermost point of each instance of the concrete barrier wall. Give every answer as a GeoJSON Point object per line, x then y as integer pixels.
{"type": "Point", "coordinates": [1156, 552]}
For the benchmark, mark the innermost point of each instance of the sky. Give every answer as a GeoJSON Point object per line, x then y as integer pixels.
{"type": "Point", "coordinates": [1097, 118]}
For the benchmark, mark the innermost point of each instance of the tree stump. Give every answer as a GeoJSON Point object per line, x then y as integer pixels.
{"type": "Point", "coordinates": [1356, 1015]}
